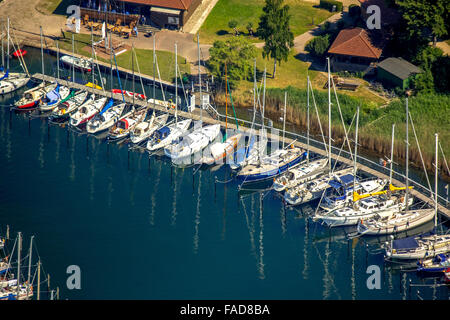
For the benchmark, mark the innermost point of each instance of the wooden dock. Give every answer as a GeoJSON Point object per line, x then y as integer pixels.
{"type": "Point", "coordinates": [205, 117]}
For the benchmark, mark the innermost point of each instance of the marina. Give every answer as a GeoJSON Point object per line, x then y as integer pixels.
{"type": "Point", "coordinates": [115, 203]}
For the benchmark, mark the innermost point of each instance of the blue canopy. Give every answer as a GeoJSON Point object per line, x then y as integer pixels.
{"type": "Point", "coordinates": [406, 243]}
{"type": "Point", "coordinates": [109, 105]}
{"type": "Point", "coordinates": [53, 95]}
{"type": "Point", "coordinates": [163, 130]}
{"type": "Point", "coordinates": [5, 75]}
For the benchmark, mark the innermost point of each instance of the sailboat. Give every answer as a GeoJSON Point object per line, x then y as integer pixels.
{"type": "Point", "coordinates": [187, 146]}
{"type": "Point", "coordinates": [221, 150]}
{"type": "Point", "coordinates": [164, 136]}
{"type": "Point", "coordinates": [87, 111]}
{"type": "Point", "coordinates": [403, 220]}
{"type": "Point", "coordinates": [53, 98]}
{"type": "Point", "coordinates": [122, 128]}
{"type": "Point", "coordinates": [418, 247]}
{"type": "Point", "coordinates": [146, 128]}
{"type": "Point", "coordinates": [105, 118]}
{"type": "Point", "coordinates": [10, 82]}
{"type": "Point", "coordinates": [64, 109]}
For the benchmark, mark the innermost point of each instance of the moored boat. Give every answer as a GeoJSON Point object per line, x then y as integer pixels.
{"type": "Point", "coordinates": [87, 111]}
{"type": "Point", "coordinates": [166, 135]}
{"type": "Point", "coordinates": [78, 63]}
{"type": "Point", "coordinates": [64, 109]}
{"type": "Point", "coordinates": [31, 97]}
{"type": "Point", "coordinates": [418, 247]}
{"type": "Point", "coordinates": [105, 119]}
{"type": "Point", "coordinates": [145, 128]}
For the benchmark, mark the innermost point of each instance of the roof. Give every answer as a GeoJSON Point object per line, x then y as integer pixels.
{"type": "Point", "coordinates": [399, 67]}
{"type": "Point", "coordinates": [357, 42]}
{"type": "Point", "coordinates": [172, 4]}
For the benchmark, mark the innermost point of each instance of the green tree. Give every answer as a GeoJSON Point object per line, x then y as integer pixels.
{"type": "Point", "coordinates": [274, 29]}
{"type": "Point", "coordinates": [233, 24]}
{"type": "Point", "coordinates": [318, 45]}
{"type": "Point", "coordinates": [424, 17]}
{"type": "Point", "coordinates": [250, 28]}
{"type": "Point", "coordinates": [237, 53]}
{"type": "Point", "coordinates": [423, 82]}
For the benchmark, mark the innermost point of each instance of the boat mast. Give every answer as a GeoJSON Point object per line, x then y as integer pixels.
{"type": "Point", "coordinates": [356, 150]}
{"type": "Point", "coordinates": [132, 68]}
{"type": "Point", "coordinates": [436, 182]}
{"type": "Point", "coordinates": [92, 54]}
{"type": "Point", "coordinates": [284, 116]}
{"type": "Point", "coordinates": [307, 121]}
{"type": "Point", "coordinates": [407, 158]}
{"type": "Point", "coordinates": [200, 79]}
{"type": "Point", "coordinates": [19, 248]}
{"type": "Point", "coordinates": [176, 82]}
{"type": "Point", "coordinates": [111, 64]}
{"type": "Point", "coordinates": [29, 265]}
{"type": "Point", "coordinates": [57, 59]}
{"type": "Point", "coordinates": [329, 116]}
{"type": "Point", "coordinates": [73, 55]}
{"type": "Point", "coordinates": [392, 154]}
{"type": "Point", "coordinates": [7, 46]}
{"type": "Point", "coordinates": [42, 53]}
{"type": "Point", "coordinates": [3, 53]}
{"type": "Point", "coordinates": [39, 280]}
{"type": "Point", "coordinates": [226, 99]}
{"type": "Point", "coordinates": [154, 73]}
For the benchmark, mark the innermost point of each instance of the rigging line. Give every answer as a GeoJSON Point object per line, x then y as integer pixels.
{"type": "Point", "coordinates": [342, 119]}
{"type": "Point", "coordinates": [159, 77]}
{"type": "Point", "coordinates": [182, 85]}
{"type": "Point", "coordinates": [443, 156]}
{"type": "Point", "coordinates": [420, 153]}
{"type": "Point", "coordinates": [334, 167]}
{"type": "Point", "coordinates": [140, 75]}
{"type": "Point", "coordinates": [318, 118]}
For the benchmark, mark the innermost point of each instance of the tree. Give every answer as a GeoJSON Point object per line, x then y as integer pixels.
{"type": "Point", "coordinates": [233, 24]}
{"type": "Point", "coordinates": [423, 82]}
{"type": "Point", "coordinates": [274, 29]}
{"type": "Point", "coordinates": [250, 28]}
{"type": "Point", "coordinates": [318, 45]}
{"type": "Point", "coordinates": [425, 17]}
{"type": "Point", "coordinates": [237, 53]}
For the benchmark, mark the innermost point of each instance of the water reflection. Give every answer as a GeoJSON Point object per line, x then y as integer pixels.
{"type": "Point", "coordinates": [261, 239]}
{"type": "Point", "coordinates": [197, 215]}
{"type": "Point", "coordinates": [154, 193]}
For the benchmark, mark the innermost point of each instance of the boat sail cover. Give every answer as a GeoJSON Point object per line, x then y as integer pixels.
{"type": "Point", "coordinates": [408, 243]}
{"type": "Point", "coordinates": [5, 75]}
{"type": "Point", "coordinates": [109, 105]}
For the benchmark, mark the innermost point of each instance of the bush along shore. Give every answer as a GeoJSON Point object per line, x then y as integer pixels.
{"type": "Point", "coordinates": [430, 114]}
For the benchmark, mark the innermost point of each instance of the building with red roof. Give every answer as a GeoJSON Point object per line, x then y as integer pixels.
{"type": "Point", "coordinates": [355, 49]}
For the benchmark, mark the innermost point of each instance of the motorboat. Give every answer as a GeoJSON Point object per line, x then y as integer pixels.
{"type": "Point", "coordinates": [419, 247]}
{"type": "Point", "coordinates": [77, 63]}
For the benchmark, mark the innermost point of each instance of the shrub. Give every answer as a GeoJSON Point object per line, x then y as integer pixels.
{"type": "Point", "coordinates": [318, 45]}
{"type": "Point", "coordinates": [328, 4]}
{"type": "Point", "coordinates": [354, 10]}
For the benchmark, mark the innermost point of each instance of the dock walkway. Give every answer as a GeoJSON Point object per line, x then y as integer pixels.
{"type": "Point", "coordinates": [364, 164]}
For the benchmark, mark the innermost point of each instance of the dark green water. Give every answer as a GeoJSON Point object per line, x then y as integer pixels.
{"type": "Point", "coordinates": [141, 229]}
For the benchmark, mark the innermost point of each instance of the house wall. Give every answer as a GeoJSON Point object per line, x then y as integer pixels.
{"type": "Point", "coordinates": [389, 79]}
{"type": "Point", "coordinates": [352, 64]}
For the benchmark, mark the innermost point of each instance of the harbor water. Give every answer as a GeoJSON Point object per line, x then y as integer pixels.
{"type": "Point", "coordinates": [140, 228]}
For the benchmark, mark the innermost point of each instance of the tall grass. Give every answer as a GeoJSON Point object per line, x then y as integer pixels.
{"type": "Point", "coordinates": [430, 113]}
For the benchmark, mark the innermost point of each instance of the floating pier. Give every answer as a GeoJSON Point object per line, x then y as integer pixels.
{"type": "Point", "coordinates": [364, 164]}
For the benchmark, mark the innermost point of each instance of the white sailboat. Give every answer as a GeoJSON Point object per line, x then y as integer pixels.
{"type": "Point", "coordinates": [53, 98]}
{"type": "Point", "coordinates": [87, 111]}
{"type": "Point", "coordinates": [313, 190]}
{"type": "Point", "coordinates": [221, 150]}
{"type": "Point", "coordinates": [166, 135]}
{"type": "Point", "coordinates": [418, 247]}
{"type": "Point", "coordinates": [105, 118]}
{"type": "Point", "coordinates": [300, 174]}
{"type": "Point", "coordinates": [145, 129]}
{"type": "Point", "coordinates": [186, 146]}
{"type": "Point", "coordinates": [10, 82]}
{"type": "Point", "coordinates": [126, 124]}
{"type": "Point", "coordinates": [77, 63]}
{"type": "Point", "coordinates": [67, 107]}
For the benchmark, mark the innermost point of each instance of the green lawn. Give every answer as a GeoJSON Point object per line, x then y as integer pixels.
{"type": "Point", "coordinates": [216, 25]}
{"type": "Point", "coordinates": [166, 60]}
